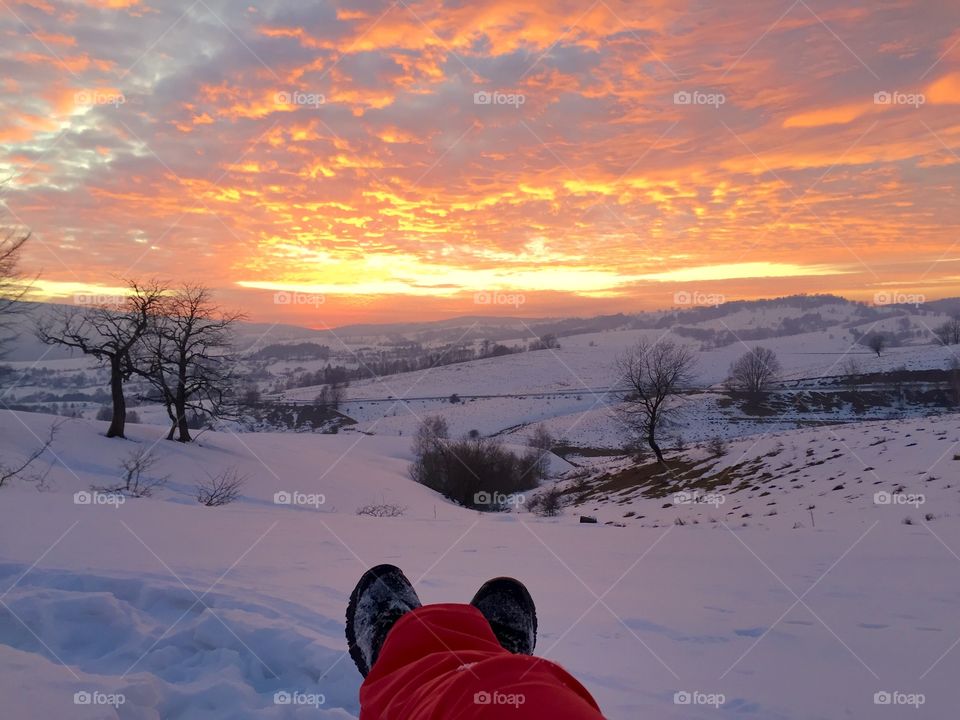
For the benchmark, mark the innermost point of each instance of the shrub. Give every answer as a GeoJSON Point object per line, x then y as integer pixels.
{"type": "Point", "coordinates": [475, 472]}
{"type": "Point", "coordinates": [717, 446]}
{"type": "Point", "coordinates": [381, 510]}
{"type": "Point", "coordinates": [541, 443]}
{"type": "Point", "coordinates": [547, 504]}
{"type": "Point", "coordinates": [134, 475]}
{"type": "Point", "coordinates": [221, 489]}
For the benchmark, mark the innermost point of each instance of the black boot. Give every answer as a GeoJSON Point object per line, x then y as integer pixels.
{"type": "Point", "coordinates": [508, 607]}
{"type": "Point", "coordinates": [382, 597]}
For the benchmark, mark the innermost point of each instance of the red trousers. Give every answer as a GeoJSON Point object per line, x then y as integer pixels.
{"type": "Point", "coordinates": [443, 662]}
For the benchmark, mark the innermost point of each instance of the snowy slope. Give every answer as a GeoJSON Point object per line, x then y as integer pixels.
{"type": "Point", "coordinates": [826, 477]}
{"type": "Point", "coordinates": [193, 612]}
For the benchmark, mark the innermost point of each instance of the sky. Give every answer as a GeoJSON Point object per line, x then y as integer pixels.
{"type": "Point", "coordinates": [325, 163]}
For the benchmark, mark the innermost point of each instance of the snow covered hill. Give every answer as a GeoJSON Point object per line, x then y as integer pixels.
{"type": "Point", "coordinates": [184, 611]}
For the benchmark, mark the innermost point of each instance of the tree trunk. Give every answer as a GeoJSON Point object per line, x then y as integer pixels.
{"type": "Point", "coordinates": [652, 442]}
{"type": "Point", "coordinates": [118, 421]}
{"type": "Point", "coordinates": [180, 403]}
{"type": "Point", "coordinates": [170, 414]}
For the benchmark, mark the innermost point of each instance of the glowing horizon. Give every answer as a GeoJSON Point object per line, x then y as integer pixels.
{"type": "Point", "coordinates": [419, 161]}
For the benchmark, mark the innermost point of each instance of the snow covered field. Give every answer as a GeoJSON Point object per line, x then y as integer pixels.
{"type": "Point", "coordinates": [193, 612]}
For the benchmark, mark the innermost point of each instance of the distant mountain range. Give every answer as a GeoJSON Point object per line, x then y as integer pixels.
{"type": "Point", "coordinates": [758, 318]}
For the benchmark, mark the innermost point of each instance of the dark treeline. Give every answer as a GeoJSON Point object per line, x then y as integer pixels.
{"type": "Point", "coordinates": [407, 358]}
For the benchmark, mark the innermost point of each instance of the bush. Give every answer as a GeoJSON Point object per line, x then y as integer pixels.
{"type": "Point", "coordinates": [221, 489]}
{"type": "Point", "coordinates": [136, 480]}
{"type": "Point", "coordinates": [549, 503]}
{"type": "Point", "coordinates": [382, 510]}
{"type": "Point", "coordinates": [541, 444]}
{"type": "Point", "coordinates": [717, 446]}
{"type": "Point", "coordinates": [475, 472]}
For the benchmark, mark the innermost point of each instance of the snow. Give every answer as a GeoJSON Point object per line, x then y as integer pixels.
{"type": "Point", "coordinates": [194, 612]}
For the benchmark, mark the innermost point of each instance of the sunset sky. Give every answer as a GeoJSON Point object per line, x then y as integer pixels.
{"type": "Point", "coordinates": [375, 161]}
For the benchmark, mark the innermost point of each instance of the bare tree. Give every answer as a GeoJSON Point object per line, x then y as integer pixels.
{"type": "Point", "coordinates": [852, 369]}
{"type": "Point", "coordinates": [876, 342]}
{"type": "Point", "coordinates": [330, 396]}
{"type": "Point", "coordinates": [8, 473]}
{"type": "Point", "coordinates": [541, 444]}
{"type": "Point", "coordinates": [185, 356]}
{"type": "Point", "coordinates": [108, 334]}
{"type": "Point", "coordinates": [949, 332]}
{"type": "Point", "coordinates": [954, 369]}
{"type": "Point", "coordinates": [755, 371]}
{"type": "Point", "coordinates": [651, 375]}
{"type": "Point", "coordinates": [13, 287]}
{"type": "Point", "coordinates": [432, 433]}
